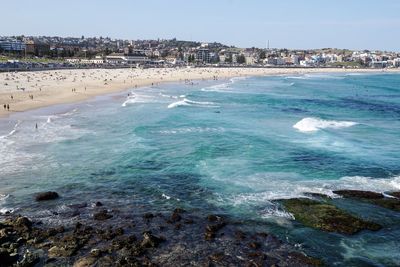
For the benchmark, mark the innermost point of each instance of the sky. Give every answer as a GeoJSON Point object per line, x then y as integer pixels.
{"type": "Point", "coordinates": [293, 24]}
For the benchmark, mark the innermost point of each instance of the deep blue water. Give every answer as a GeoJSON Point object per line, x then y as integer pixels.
{"type": "Point", "coordinates": [229, 146]}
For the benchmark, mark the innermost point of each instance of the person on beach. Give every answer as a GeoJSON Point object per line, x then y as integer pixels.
{"type": "Point", "coordinates": [8, 107]}
{"type": "Point", "coordinates": [36, 126]}
{"type": "Point", "coordinates": [5, 106]}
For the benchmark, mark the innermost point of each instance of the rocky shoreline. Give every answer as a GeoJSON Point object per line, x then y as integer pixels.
{"type": "Point", "coordinates": [177, 238]}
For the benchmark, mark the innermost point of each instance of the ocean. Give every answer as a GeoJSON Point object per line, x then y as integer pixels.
{"type": "Point", "coordinates": [231, 147]}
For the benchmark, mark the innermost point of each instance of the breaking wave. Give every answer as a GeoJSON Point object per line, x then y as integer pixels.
{"type": "Point", "coordinates": [187, 102]}
{"type": "Point", "coordinates": [316, 124]}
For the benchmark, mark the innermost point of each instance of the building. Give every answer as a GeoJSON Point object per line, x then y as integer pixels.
{"type": "Point", "coordinates": [37, 48]}
{"type": "Point", "coordinates": [295, 60]}
{"type": "Point", "coordinates": [94, 61]}
{"type": "Point", "coordinates": [12, 45]}
{"type": "Point", "coordinates": [203, 55]}
{"type": "Point", "coordinates": [378, 64]}
{"type": "Point", "coordinates": [136, 57]}
{"type": "Point", "coordinates": [250, 60]}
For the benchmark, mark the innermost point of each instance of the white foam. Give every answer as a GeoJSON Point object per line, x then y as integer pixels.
{"type": "Point", "coordinates": [296, 77]}
{"type": "Point", "coordinates": [276, 211]}
{"type": "Point", "coordinates": [6, 211]}
{"type": "Point", "coordinates": [187, 102]}
{"type": "Point", "coordinates": [217, 88]}
{"type": "Point", "coordinates": [192, 130]}
{"type": "Point", "coordinates": [260, 190]}
{"type": "Point", "coordinates": [4, 197]}
{"type": "Point", "coordinates": [13, 131]}
{"type": "Point", "coordinates": [316, 124]}
{"type": "Point", "coordinates": [223, 86]}
{"type": "Point", "coordinates": [178, 104]}
{"type": "Point", "coordinates": [166, 196]}
{"type": "Point", "coordinates": [286, 189]}
{"type": "Point", "coordinates": [170, 96]}
{"type": "Point", "coordinates": [136, 98]}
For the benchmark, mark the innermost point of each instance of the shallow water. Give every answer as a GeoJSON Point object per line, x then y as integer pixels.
{"type": "Point", "coordinates": [231, 146]}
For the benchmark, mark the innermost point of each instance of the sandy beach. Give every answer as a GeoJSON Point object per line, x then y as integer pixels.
{"type": "Point", "coordinates": [30, 90]}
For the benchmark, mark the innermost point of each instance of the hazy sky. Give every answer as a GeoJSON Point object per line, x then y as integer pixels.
{"type": "Point", "coordinates": [354, 24]}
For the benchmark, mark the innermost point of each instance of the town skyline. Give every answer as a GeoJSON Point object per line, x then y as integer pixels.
{"type": "Point", "coordinates": [268, 43]}
{"type": "Point", "coordinates": [92, 52]}
{"type": "Point", "coordinates": [289, 24]}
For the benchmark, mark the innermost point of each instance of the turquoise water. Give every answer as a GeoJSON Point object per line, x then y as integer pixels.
{"type": "Point", "coordinates": [229, 146]}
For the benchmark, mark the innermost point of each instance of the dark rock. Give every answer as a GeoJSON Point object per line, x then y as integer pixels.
{"type": "Point", "coordinates": [5, 235]}
{"type": "Point", "coordinates": [85, 262]}
{"type": "Point", "coordinates": [217, 257]}
{"type": "Point", "coordinates": [358, 194]}
{"type": "Point", "coordinates": [179, 210]}
{"type": "Point", "coordinates": [102, 215]}
{"type": "Point", "coordinates": [209, 235]}
{"type": "Point", "coordinates": [254, 245]}
{"type": "Point", "coordinates": [95, 253]}
{"type": "Point", "coordinates": [175, 217]}
{"type": "Point", "coordinates": [213, 218]}
{"type": "Point", "coordinates": [371, 197]}
{"type": "Point", "coordinates": [326, 217]}
{"type": "Point", "coordinates": [23, 222]}
{"type": "Point", "coordinates": [119, 231]}
{"type": "Point", "coordinates": [29, 260]}
{"type": "Point", "coordinates": [256, 255]}
{"type": "Point", "coordinates": [137, 250]}
{"type": "Point", "coordinates": [7, 259]}
{"type": "Point", "coordinates": [78, 206]}
{"type": "Point", "coordinates": [239, 235]}
{"type": "Point", "coordinates": [98, 204]}
{"type": "Point", "coordinates": [304, 260]}
{"type": "Point", "coordinates": [388, 203]}
{"type": "Point", "coordinates": [212, 229]}
{"type": "Point", "coordinates": [215, 227]}
{"type": "Point", "coordinates": [54, 231]}
{"type": "Point", "coordinates": [148, 216]}
{"type": "Point", "coordinates": [188, 221]}
{"type": "Point", "coordinates": [78, 227]}
{"type": "Point", "coordinates": [151, 241]}
{"type": "Point", "coordinates": [262, 234]}
{"type": "Point", "coordinates": [46, 196]}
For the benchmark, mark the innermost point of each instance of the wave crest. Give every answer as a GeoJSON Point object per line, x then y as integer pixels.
{"type": "Point", "coordinates": [316, 124]}
{"type": "Point", "coordinates": [187, 102]}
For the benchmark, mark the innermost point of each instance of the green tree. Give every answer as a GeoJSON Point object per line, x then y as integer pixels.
{"type": "Point", "coordinates": [241, 59]}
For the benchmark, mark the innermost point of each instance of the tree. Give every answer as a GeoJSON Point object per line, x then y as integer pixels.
{"type": "Point", "coordinates": [262, 55]}
{"type": "Point", "coordinates": [241, 59]}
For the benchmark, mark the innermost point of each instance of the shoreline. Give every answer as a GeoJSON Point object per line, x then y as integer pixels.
{"type": "Point", "coordinates": [24, 91]}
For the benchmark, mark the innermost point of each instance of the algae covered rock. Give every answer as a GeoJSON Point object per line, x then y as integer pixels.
{"type": "Point", "coordinates": [326, 217]}
{"type": "Point", "coordinates": [371, 197]}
